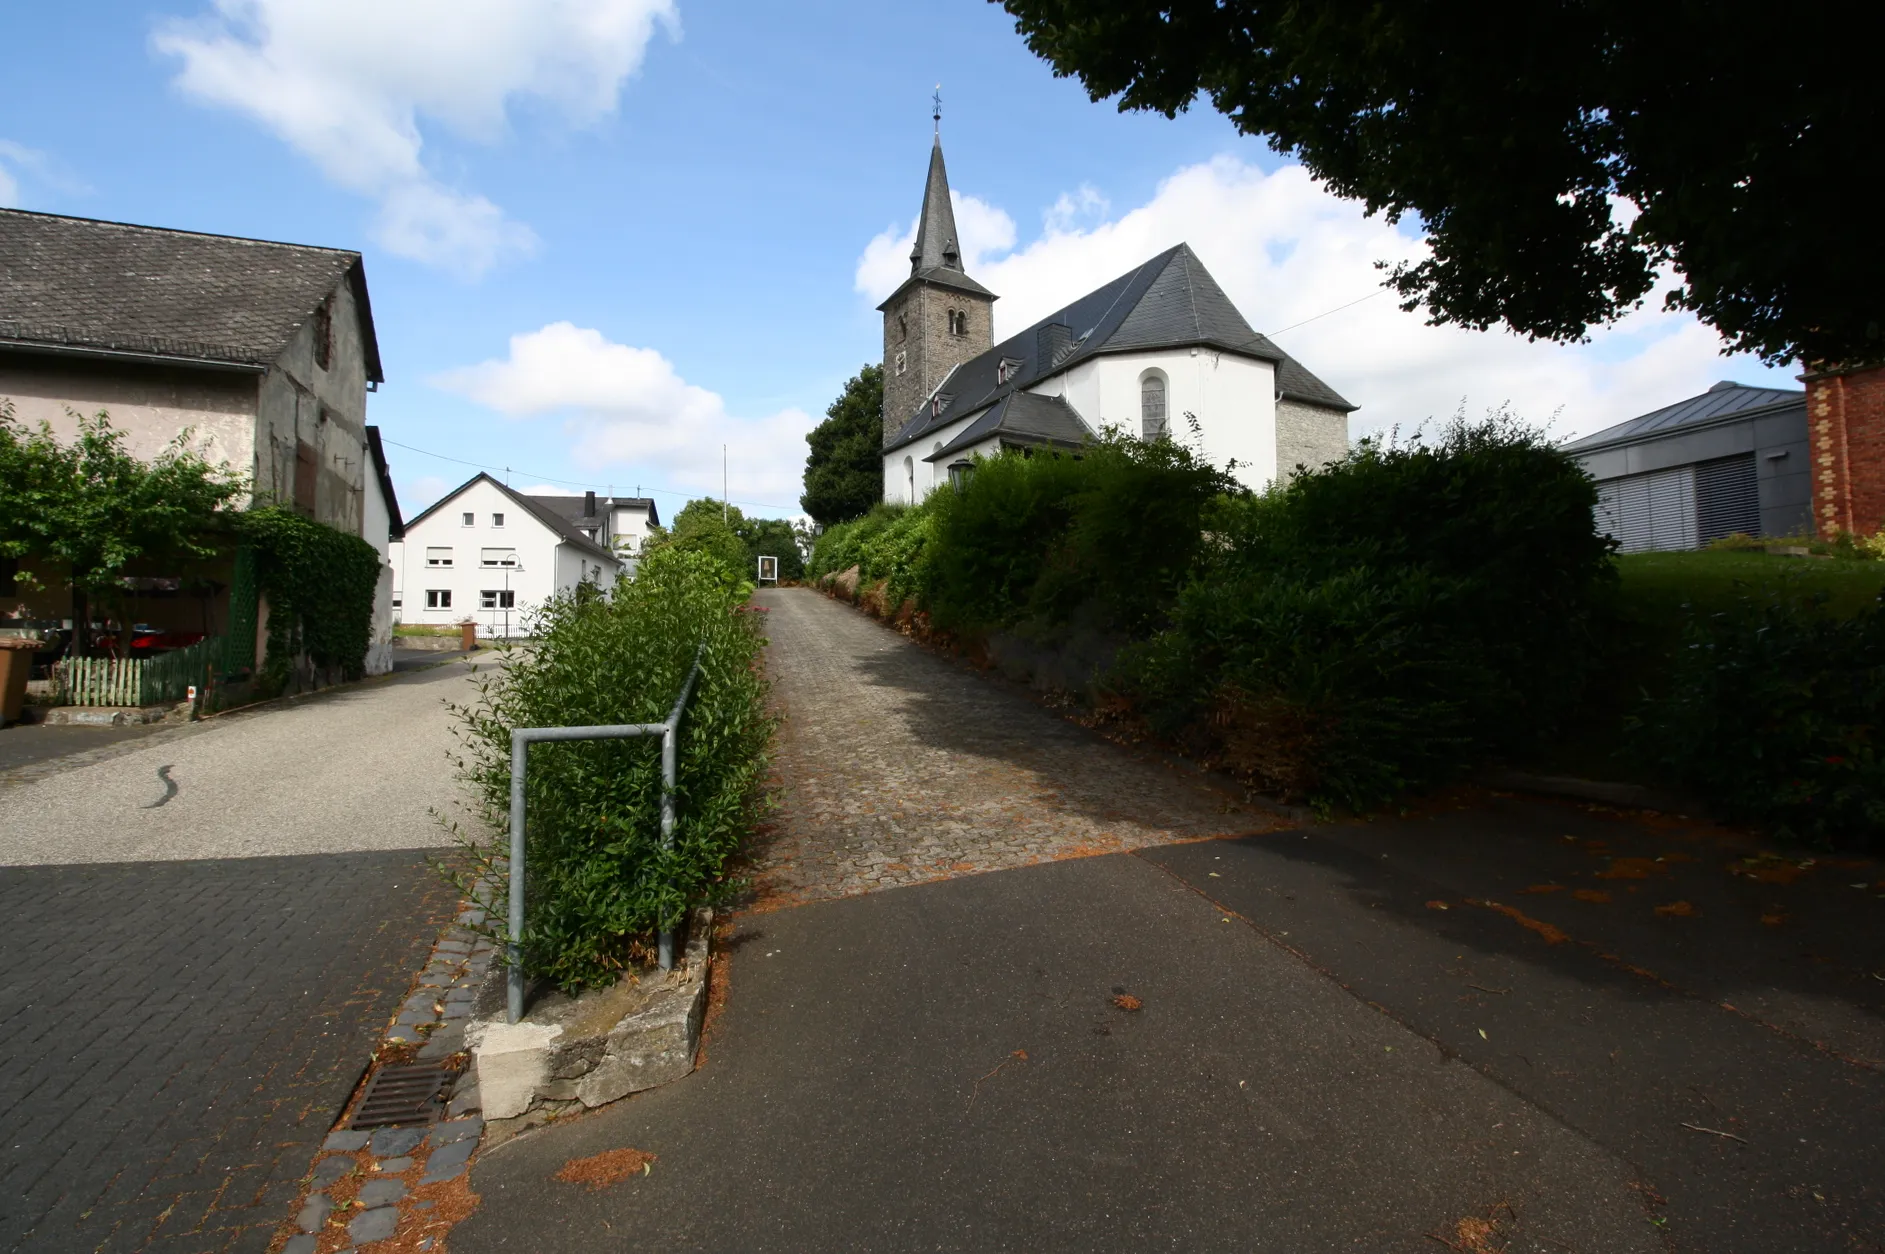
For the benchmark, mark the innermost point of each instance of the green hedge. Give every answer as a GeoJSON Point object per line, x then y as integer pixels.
{"type": "Point", "coordinates": [1772, 712]}
{"type": "Point", "coordinates": [598, 880]}
{"type": "Point", "coordinates": [320, 585]}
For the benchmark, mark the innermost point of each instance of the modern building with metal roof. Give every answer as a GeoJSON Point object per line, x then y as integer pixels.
{"type": "Point", "coordinates": [1733, 459]}
{"type": "Point", "coordinates": [1159, 351]}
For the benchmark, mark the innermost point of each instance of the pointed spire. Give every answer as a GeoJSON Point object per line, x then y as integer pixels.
{"type": "Point", "coordinates": [936, 246]}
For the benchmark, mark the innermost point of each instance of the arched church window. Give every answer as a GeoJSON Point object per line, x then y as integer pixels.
{"type": "Point", "coordinates": [1152, 424]}
{"type": "Point", "coordinates": [958, 322]}
{"type": "Point", "coordinates": [909, 477]}
{"type": "Point", "coordinates": [903, 328]}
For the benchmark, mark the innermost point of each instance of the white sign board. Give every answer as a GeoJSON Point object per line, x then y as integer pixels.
{"type": "Point", "coordinates": [768, 570]}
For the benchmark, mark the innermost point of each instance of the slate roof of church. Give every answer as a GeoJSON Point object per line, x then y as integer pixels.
{"type": "Point", "coordinates": [1033, 418]}
{"type": "Point", "coordinates": [1726, 399]}
{"type": "Point", "coordinates": [143, 291]}
{"type": "Point", "coordinates": [1170, 301]}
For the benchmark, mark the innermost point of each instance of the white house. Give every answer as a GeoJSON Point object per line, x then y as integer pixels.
{"type": "Point", "coordinates": [488, 554]}
{"type": "Point", "coordinates": [1159, 351]}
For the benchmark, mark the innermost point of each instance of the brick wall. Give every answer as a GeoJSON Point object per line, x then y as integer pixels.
{"type": "Point", "coordinates": [1845, 423]}
{"type": "Point", "coordinates": [928, 349]}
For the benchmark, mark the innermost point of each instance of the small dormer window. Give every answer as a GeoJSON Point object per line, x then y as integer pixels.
{"type": "Point", "coordinates": [958, 322]}
{"type": "Point", "coordinates": [1008, 369]}
{"type": "Point", "coordinates": [938, 403]}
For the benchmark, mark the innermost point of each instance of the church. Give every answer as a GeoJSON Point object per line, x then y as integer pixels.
{"type": "Point", "coordinates": [1159, 351]}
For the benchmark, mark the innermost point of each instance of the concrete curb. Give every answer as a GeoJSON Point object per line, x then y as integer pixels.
{"type": "Point", "coordinates": [570, 1053]}
{"type": "Point", "coordinates": [1624, 796]}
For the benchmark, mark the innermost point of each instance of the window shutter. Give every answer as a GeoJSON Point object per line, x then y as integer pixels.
{"type": "Point", "coordinates": [1651, 512]}
{"type": "Point", "coordinates": [1727, 498]}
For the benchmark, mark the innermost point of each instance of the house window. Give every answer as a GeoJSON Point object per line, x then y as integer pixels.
{"type": "Point", "coordinates": [497, 557]}
{"type": "Point", "coordinates": [497, 599]}
{"type": "Point", "coordinates": [958, 322]}
{"type": "Point", "coordinates": [469, 519]}
{"type": "Point", "coordinates": [438, 598]}
{"type": "Point", "coordinates": [497, 520]}
{"type": "Point", "coordinates": [398, 600]}
{"type": "Point", "coordinates": [903, 362]}
{"type": "Point", "coordinates": [1152, 407]}
{"type": "Point", "coordinates": [324, 333]}
{"type": "Point", "coordinates": [305, 470]}
{"type": "Point", "coordinates": [438, 557]}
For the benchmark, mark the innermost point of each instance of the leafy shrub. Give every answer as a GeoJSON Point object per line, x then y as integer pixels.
{"type": "Point", "coordinates": [1773, 714]}
{"type": "Point", "coordinates": [1386, 619]}
{"type": "Point", "coordinates": [598, 878]}
{"type": "Point", "coordinates": [320, 585]}
{"type": "Point", "coordinates": [842, 544]}
{"type": "Point", "coordinates": [1108, 536]}
{"type": "Point", "coordinates": [1347, 690]}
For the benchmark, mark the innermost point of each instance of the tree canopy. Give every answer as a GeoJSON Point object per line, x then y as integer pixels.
{"type": "Point", "coordinates": [90, 509]}
{"type": "Point", "coordinates": [703, 526]}
{"type": "Point", "coordinates": [844, 474]}
{"type": "Point", "coordinates": [1557, 155]}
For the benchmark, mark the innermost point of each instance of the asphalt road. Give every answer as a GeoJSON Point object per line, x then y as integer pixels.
{"type": "Point", "coordinates": [205, 932]}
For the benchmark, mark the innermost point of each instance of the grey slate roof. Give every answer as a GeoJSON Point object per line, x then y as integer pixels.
{"type": "Point", "coordinates": [571, 507]}
{"type": "Point", "coordinates": [563, 527]}
{"type": "Point", "coordinates": [1028, 417]}
{"type": "Point", "coordinates": [1726, 399]}
{"type": "Point", "coordinates": [936, 257]}
{"type": "Point", "coordinates": [1170, 301]}
{"type": "Point", "coordinates": [78, 283]}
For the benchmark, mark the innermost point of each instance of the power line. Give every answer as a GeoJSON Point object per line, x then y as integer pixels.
{"type": "Point", "coordinates": [1326, 312]}
{"type": "Point", "coordinates": [568, 483]}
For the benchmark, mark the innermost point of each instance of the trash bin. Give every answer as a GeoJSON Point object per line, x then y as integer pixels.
{"type": "Point", "coordinates": [16, 663]}
{"type": "Point", "coordinates": [467, 636]}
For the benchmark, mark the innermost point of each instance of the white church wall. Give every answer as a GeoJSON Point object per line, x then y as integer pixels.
{"type": "Point", "coordinates": [899, 473]}
{"type": "Point", "coordinates": [1233, 397]}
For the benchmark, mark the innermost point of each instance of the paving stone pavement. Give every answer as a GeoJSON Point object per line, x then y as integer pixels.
{"type": "Point", "coordinates": [180, 1035]}
{"type": "Point", "coordinates": [897, 766]}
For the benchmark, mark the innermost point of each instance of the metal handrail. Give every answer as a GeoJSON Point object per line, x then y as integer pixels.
{"type": "Point", "coordinates": [521, 740]}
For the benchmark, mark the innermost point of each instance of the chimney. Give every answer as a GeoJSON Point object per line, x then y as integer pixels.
{"type": "Point", "coordinates": [1845, 433]}
{"type": "Point", "coordinates": [589, 505]}
{"type": "Point", "coordinates": [1051, 343]}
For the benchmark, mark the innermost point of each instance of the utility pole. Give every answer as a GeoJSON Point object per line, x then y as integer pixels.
{"type": "Point", "coordinates": [723, 483]}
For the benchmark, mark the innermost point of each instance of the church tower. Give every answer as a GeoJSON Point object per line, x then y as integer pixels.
{"type": "Point", "coordinates": [940, 317]}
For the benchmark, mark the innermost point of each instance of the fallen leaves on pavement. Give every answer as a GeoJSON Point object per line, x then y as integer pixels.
{"type": "Point", "coordinates": [599, 1171]}
{"type": "Point", "coordinates": [1676, 910]}
{"type": "Point", "coordinates": [1126, 1001]}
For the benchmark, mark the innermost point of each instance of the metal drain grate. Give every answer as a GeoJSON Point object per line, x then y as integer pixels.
{"type": "Point", "coordinates": [401, 1096]}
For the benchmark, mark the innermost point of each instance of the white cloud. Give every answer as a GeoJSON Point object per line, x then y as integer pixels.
{"type": "Point", "coordinates": [348, 83]}
{"type": "Point", "coordinates": [15, 159]}
{"type": "Point", "coordinates": [1286, 251]}
{"type": "Point", "coordinates": [630, 411]}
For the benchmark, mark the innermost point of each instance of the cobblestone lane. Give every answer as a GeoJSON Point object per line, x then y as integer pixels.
{"type": "Point", "coordinates": [178, 1037]}
{"type": "Point", "coordinates": [897, 766]}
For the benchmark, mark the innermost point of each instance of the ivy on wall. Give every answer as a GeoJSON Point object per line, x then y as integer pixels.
{"type": "Point", "coordinates": [320, 585]}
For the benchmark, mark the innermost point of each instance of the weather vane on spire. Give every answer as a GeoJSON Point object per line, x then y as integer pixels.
{"type": "Point", "coordinates": [937, 115]}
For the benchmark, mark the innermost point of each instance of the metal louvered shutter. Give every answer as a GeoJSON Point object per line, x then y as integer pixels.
{"type": "Point", "coordinates": [1649, 512]}
{"type": "Point", "coordinates": [1726, 498]}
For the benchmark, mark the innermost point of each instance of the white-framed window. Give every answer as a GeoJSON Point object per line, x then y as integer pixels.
{"type": "Point", "coordinates": [438, 598]}
{"type": "Point", "coordinates": [398, 600]}
{"type": "Point", "coordinates": [468, 519]}
{"type": "Point", "coordinates": [438, 557]}
{"type": "Point", "coordinates": [497, 557]}
{"type": "Point", "coordinates": [902, 362]}
{"type": "Point", "coordinates": [1007, 370]}
{"type": "Point", "coordinates": [497, 520]}
{"type": "Point", "coordinates": [1153, 423]}
{"type": "Point", "coordinates": [497, 599]}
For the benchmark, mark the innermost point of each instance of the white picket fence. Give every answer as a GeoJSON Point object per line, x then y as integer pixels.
{"type": "Point", "coordinates": [100, 681]}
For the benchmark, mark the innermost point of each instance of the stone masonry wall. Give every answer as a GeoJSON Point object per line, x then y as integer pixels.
{"type": "Point", "coordinates": [930, 350]}
{"type": "Point", "coordinates": [1308, 435]}
{"type": "Point", "coordinates": [1845, 412]}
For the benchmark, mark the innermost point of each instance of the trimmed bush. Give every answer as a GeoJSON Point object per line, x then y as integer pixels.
{"type": "Point", "coordinates": [598, 880]}
{"type": "Point", "coordinates": [1773, 713]}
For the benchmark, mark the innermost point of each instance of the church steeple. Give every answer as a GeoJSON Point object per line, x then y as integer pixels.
{"type": "Point", "coordinates": [936, 245]}
{"type": "Point", "coordinates": [939, 317]}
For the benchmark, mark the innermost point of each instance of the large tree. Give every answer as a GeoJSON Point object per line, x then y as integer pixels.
{"type": "Point", "coordinates": [844, 475]}
{"type": "Point", "coordinates": [1556, 154]}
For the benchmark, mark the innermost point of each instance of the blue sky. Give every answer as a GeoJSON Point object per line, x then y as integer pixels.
{"type": "Point", "coordinates": [605, 237]}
